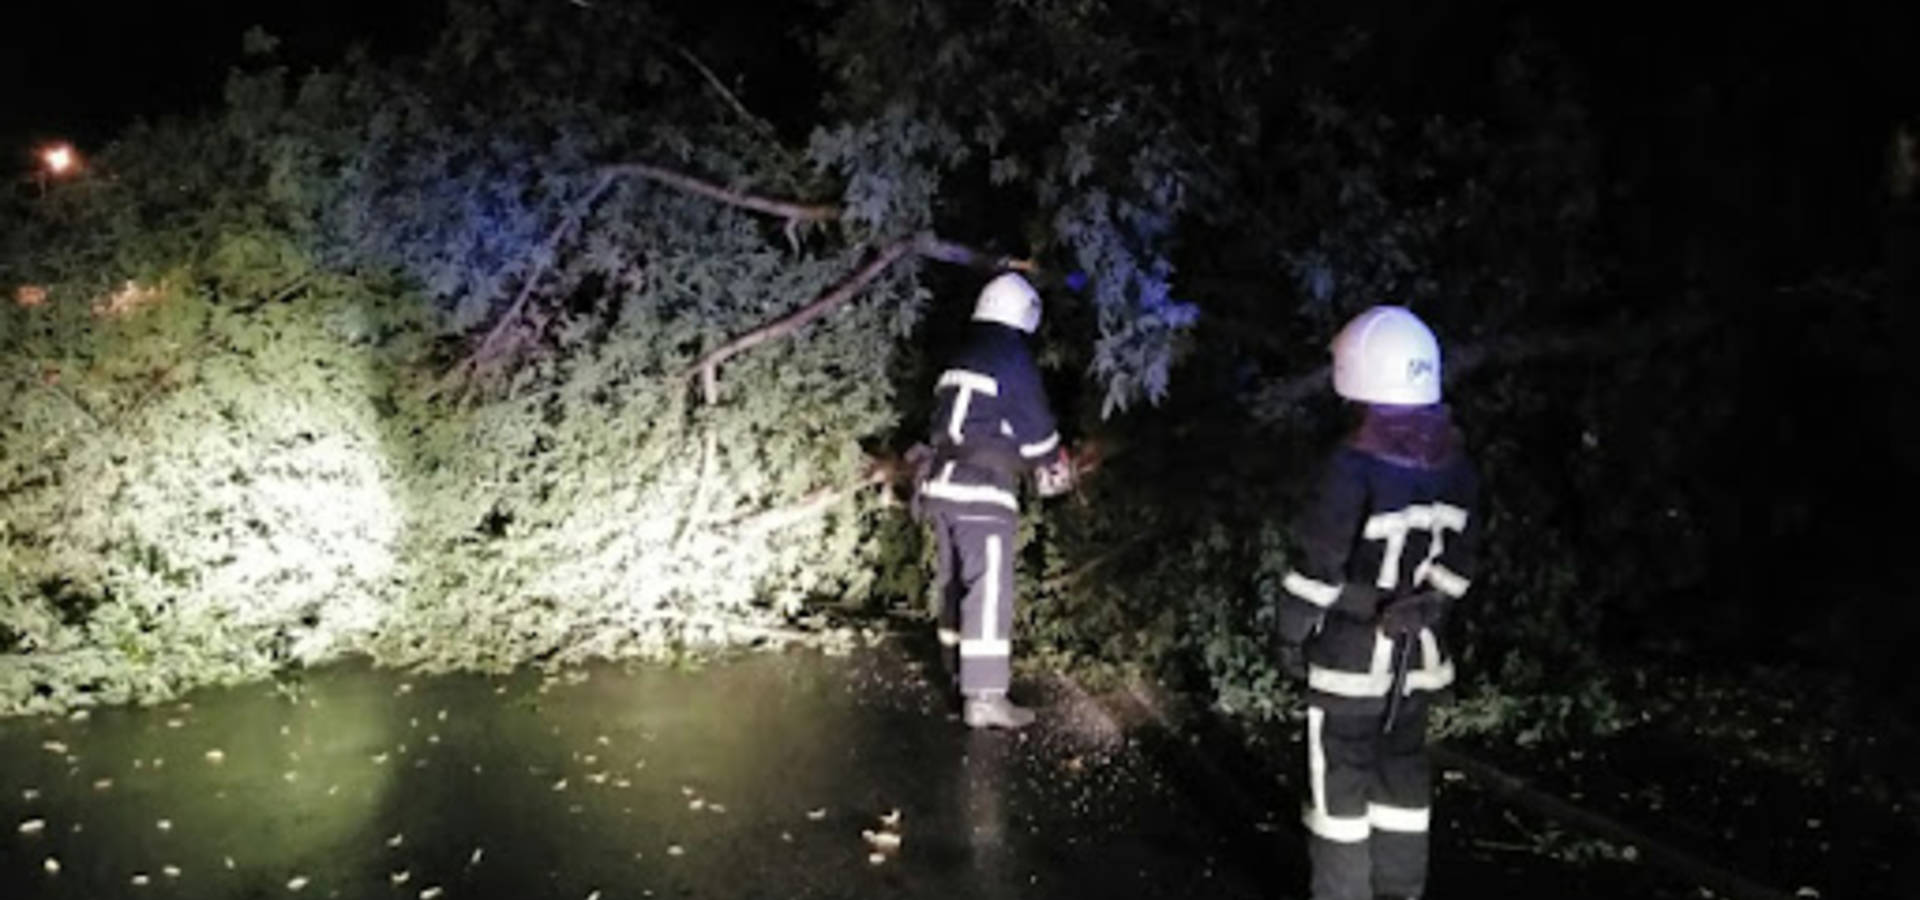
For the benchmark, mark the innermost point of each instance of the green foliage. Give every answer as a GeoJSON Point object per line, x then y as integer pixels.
{"type": "Point", "coordinates": [233, 450]}
{"type": "Point", "coordinates": [231, 445]}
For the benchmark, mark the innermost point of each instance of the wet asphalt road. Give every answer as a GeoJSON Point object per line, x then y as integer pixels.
{"type": "Point", "coordinates": [767, 776]}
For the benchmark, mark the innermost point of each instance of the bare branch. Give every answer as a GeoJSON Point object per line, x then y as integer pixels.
{"type": "Point", "coordinates": [54, 387]}
{"type": "Point", "coordinates": [793, 212]}
{"type": "Point", "coordinates": [719, 87]}
{"type": "Point", "coordinates": [931, 247]}
{"type": "Point", "coordinates": [785, 209]}
{"type": "Point", "coordinates": [806, 507]}
{"type": "Point", "coordinates": [1517, 791]}
{"type": "Point", "coordinates": [799, 318]}
{"type": "Point", "coordinates": [962, 255]}
{"type": "Point", "coordinates": [488, 347]}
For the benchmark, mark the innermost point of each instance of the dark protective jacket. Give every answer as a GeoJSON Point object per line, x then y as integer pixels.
{"type": "Point", "coordinates": [1394, 515]}
{"type": "Point", "coordinates": [991, 423]}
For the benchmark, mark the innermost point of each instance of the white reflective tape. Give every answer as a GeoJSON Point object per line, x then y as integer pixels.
{"type": "Point", "coordinates": [1006, 428]}
{"type": "Point", "coordinates": [1436, 679]}
{"type": "Point", "coordinates": [969, 381]}
{"type": "Point", "coordinates": [1342, 829]}
{"type": "Point", "coordinates": [1359, 685]}
{"type": "Point", "coordinates": [1392, 528]}
{"type": "Point", "coordinates": [1399, 818]}
{"type": "Point", "coordinates": [1447, 517]}
{"type": "Point", "coordinates": [966, 384]}
{"type": "Point", "coordinates": [961, 401]}
{"type": "Point", "coordinates": [990, 605]}
{"type": "Point", "coordinates": [949, 637]}
{"type": "Point", "coordinates": [970, 493]}
{"type": "Point", "coordinates": [974, 648]}
{"type": "Point", "coordinates": [1042, 447]}
{"type": "Point", "coordinates": [1429, 650]}
{"type": "Point", "coordinates": [1368, 685]}
{"type": "Point", "coordinates": [1316, 759]}
{"type": "Point", "coordinates": [1446, 581]}
{"type": "Point", "coordinates": [1318, 593]}
{"type": "Point", "coordinates": [1435, 519]}
{"type": "Point", "coordinates": [1377, 681]}
{"type": "Point", "coordinates": [1339, 829]}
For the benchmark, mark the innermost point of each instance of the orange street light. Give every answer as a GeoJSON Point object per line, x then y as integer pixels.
{"type": "Point", "coordinates": [59, 159]}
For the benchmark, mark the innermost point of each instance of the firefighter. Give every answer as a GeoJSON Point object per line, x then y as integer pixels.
{"type": "Point", "coordinates": [991, 425]}
{"type": "Point", "coordinates": [1385, 549]}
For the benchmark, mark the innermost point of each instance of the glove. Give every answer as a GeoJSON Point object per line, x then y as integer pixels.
{"type": "Point", "coordinates": [1056, 477]}
{"type": "Point", "coordinates": [1293, 662]}
{"type": "Point", "coordinates": [1358, 601]}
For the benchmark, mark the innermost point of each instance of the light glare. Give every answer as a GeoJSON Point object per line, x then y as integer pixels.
{"type": "Point", "coordinates": [59, 159]}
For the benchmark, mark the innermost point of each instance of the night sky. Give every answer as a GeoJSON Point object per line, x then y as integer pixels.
{"type": "Point", "coordinates": [1767, 129]}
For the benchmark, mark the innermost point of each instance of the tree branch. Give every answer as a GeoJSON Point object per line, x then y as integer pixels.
{"type": "Point", "coordinates": [813, 504]}
{"type": "Point", "coordinates": [733, 100]}
{"type": "Point", "coordinates": [1695, 869]}
{"type": "Point", "coordinates": [707, 365]}
{"type": "Point", "coordinates": [927, 245]}
{"type": "Point", "coordinates": [784, 209]}
{"type": "Point", "coordinates": [488, 346]}
{"type": "Point", "coordinates": [931, 247]}
{"type": "Point", "coordinates": [946, 251]}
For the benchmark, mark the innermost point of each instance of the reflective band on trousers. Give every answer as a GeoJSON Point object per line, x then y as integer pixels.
{"type": "Point", "coordinates": [1399, 818]}
{"type": "Point", "coordinates": [974, 649]}
{"type": "Point", "coordinates": [1345, 830]}
{"type": "Point", "coordinates": [990, 608]}
{"type": "Point", "coordinates": [1338, 829]}
{"type": "Point", "coordinates": [949, 637]}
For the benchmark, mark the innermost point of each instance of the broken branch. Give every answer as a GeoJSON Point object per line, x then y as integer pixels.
{"type": "Point", "coordinates": [962, 255]}
{"type": "Point", "coordinates": [811, 505]}
{"type": "Point", "coordinates": [707, 365]}
{"type": "Point", "coordinates": [931, 247]}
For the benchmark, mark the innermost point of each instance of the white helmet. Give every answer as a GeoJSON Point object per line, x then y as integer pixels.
{"type": "Point", "coordinates": [1010, 301]}
{"type": "Point", "coordinates": [1386, 355]}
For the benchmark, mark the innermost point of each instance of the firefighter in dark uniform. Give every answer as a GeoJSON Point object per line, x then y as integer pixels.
{"type": "Point", "coordinates": [991, 425]}
{"type": "Point", "coordinates": [1386, 547]}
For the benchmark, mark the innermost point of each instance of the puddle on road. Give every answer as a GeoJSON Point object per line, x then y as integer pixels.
{"type": "Point", "coordinates": [777, 775]}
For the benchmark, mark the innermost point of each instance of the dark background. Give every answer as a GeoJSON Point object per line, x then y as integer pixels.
{"type": "Point", "coordinates": [1766, 131]}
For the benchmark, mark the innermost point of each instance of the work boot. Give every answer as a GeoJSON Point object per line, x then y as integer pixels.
{"type": "Point", "coordinates": [996, 711]}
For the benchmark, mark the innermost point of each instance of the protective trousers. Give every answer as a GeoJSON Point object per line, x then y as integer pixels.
{"type": "Point", "coordinates": [973, 585]}
{"type": "Point", "coordinates": [1370, 803]}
